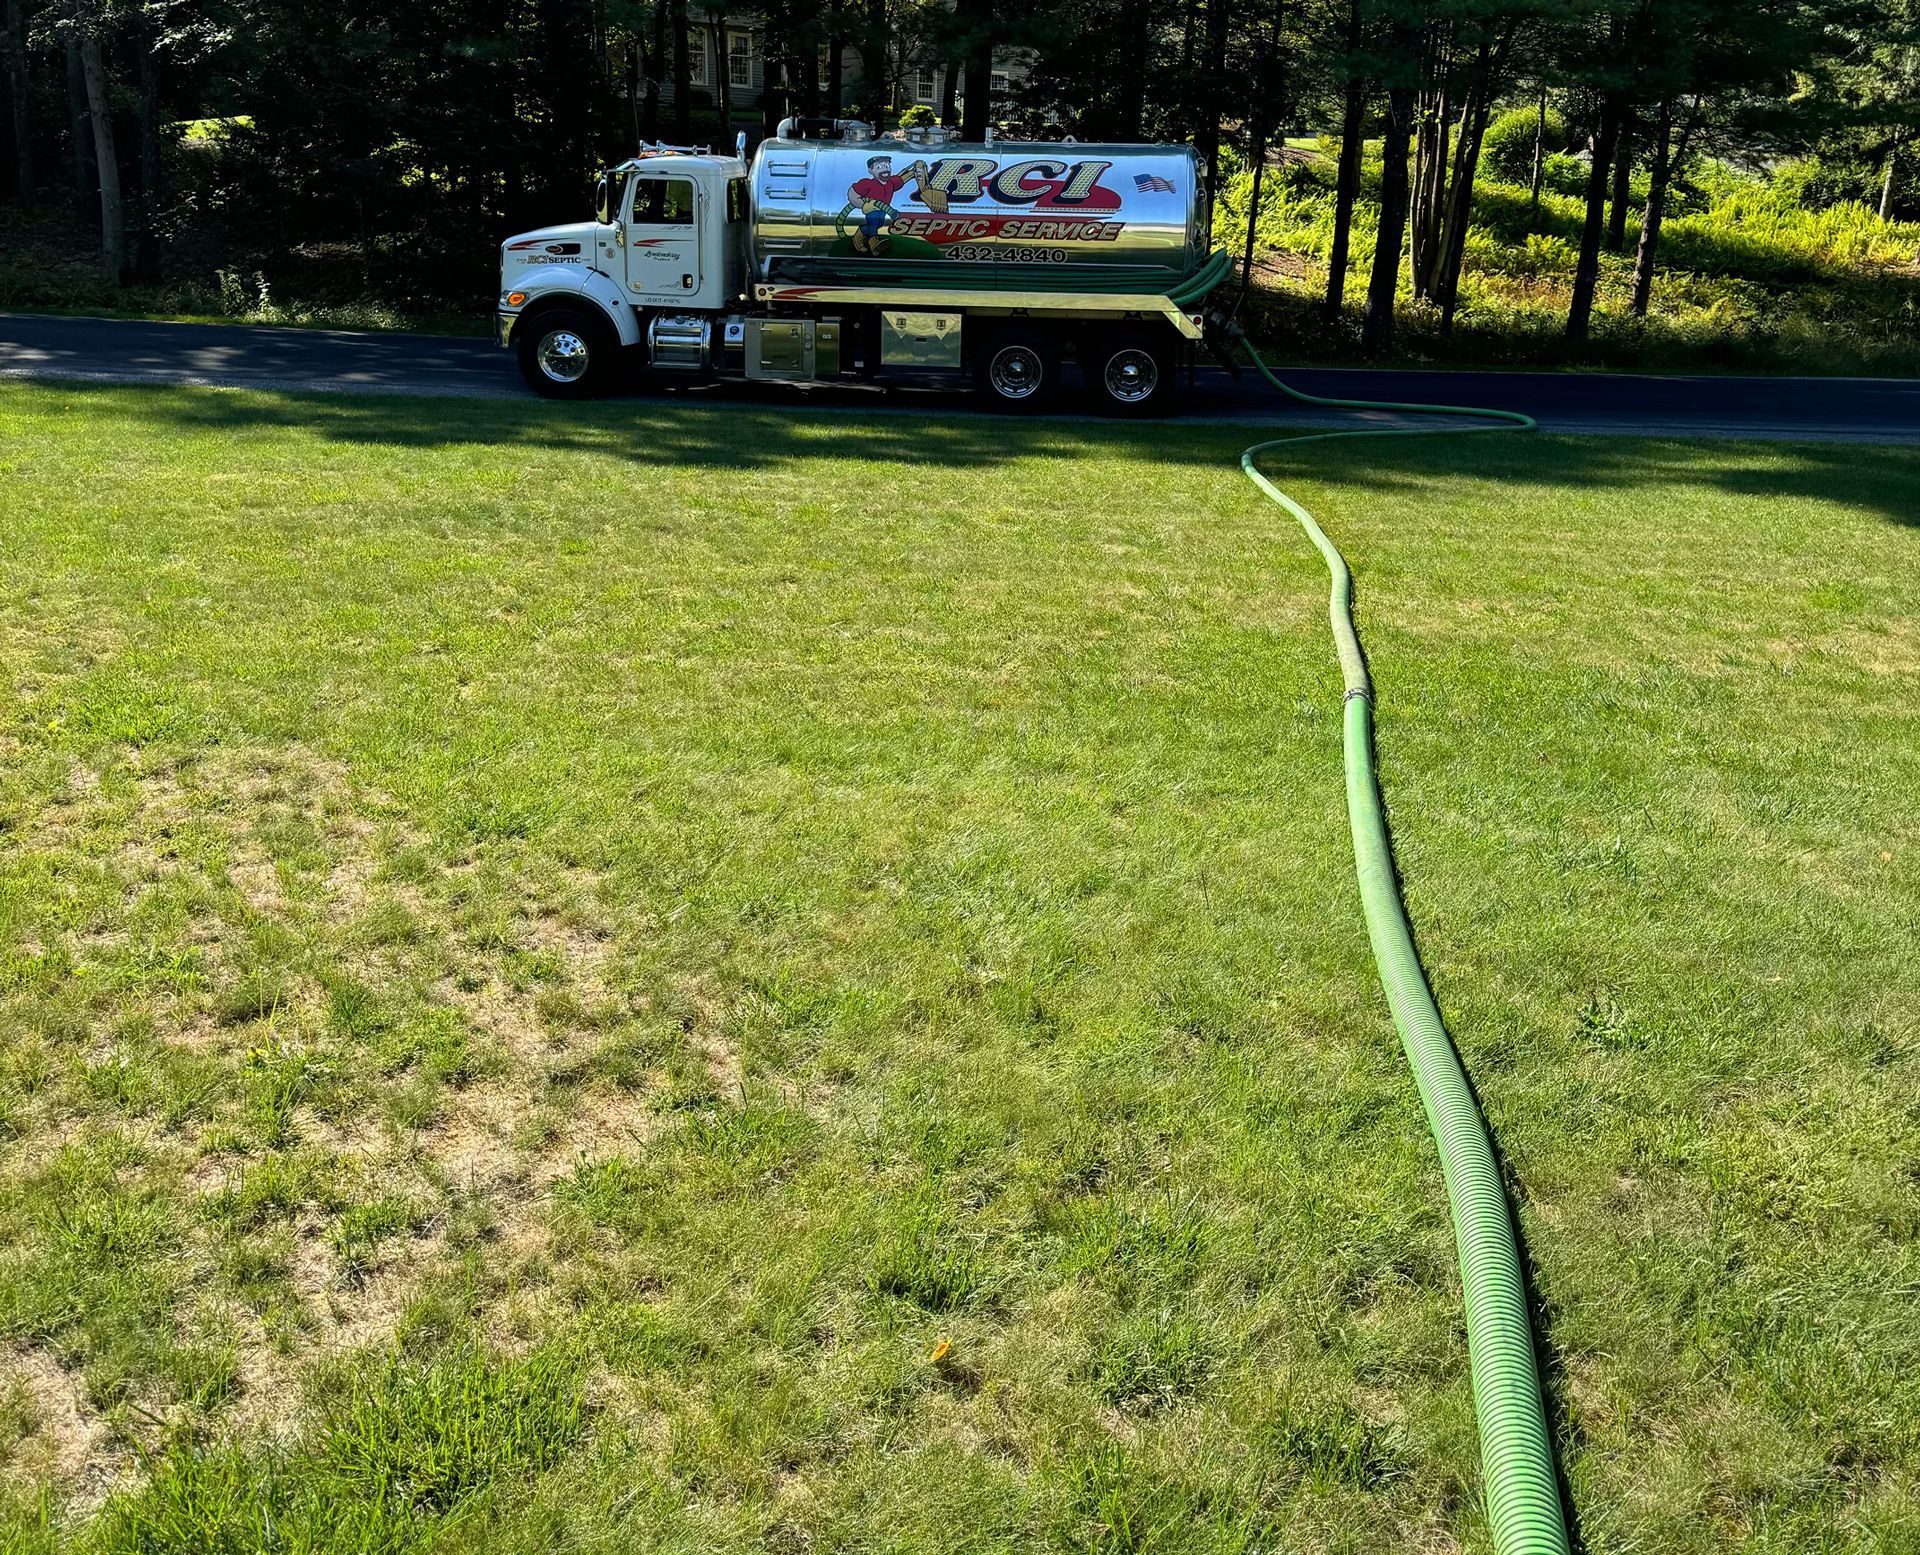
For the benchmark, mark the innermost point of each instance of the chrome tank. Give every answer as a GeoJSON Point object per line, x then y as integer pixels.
{"type": "Point", "coordinates": [1010, 208]}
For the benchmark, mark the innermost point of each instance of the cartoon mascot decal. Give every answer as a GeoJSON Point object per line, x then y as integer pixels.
{"type": "Point", "coordinates": [873, 198]}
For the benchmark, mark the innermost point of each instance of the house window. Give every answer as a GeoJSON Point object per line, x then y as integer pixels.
{"type": "Point", "coordinates": [926, 86]}
{"type": "Point", "coordinates": [696, 56]}
{"type": "Point", "coordinates": [740, 61]}
{"type": "Point", "coordinates": [1001, 83]}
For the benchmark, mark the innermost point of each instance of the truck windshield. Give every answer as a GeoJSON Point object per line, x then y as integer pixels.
{"type": "Point", "coordinates": [666, 201]}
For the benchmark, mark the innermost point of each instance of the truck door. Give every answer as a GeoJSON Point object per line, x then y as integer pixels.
{"type": "Point", "coordinates": [663, 237]}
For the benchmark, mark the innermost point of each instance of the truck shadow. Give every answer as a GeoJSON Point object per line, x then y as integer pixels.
{"type": "Point", "coordinates": [732, 437]}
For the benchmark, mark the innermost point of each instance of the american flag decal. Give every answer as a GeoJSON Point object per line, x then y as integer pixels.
{"type": "Point", "coordinates": [1152, 183]}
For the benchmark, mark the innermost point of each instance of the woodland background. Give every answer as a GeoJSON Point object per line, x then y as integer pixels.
{"type": "Point", "coordinates": [1673, 182]}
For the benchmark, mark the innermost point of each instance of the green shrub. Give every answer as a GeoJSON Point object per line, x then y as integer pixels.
{"type": "Point", "coordinates": [1754, 233]}
{"type": "Point", "coordinates": [1565, 174]}
{"type": "Point", "coordinates": [1536, 256]}
{"type": "Point", "coordinates": [1507, 150]}
{"type": "Point", "coordinates": [919, 116]}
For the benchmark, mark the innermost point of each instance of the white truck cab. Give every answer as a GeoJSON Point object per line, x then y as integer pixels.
{"type": "Point", "coordinates": [676, 229]}
{"type": "Point", "coordinates": [669, 238]}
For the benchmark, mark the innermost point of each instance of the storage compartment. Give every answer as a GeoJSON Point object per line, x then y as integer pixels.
{"type": "Point", "coordinates": [780, 350]}
{"type": "Point", "coordinates": [919, 339]}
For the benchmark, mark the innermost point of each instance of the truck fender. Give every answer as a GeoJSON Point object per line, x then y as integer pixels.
{"type": "Point", "coordinates": [575, 284]}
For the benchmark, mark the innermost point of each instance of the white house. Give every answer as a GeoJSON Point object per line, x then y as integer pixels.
{"type": "Point", "coordinates": [730, 44]}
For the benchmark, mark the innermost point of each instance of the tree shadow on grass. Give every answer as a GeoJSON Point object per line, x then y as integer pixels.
{"type": "Point", "coordinates": [1884, 480]}
{"type": "Point", "coordinates": [734, 440]}
{"type": "Point", "coordinates": [730, 438]}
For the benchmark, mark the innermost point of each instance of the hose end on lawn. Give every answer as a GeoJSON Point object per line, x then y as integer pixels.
{"type": "Point", "coordinates": [1516, 1453]}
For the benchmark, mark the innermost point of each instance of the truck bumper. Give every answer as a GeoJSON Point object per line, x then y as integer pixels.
{"type": "Point", "coordinates": [503, 328]}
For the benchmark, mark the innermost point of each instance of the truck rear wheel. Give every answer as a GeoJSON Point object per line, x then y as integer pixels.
{"type": "Point", "coordinates": [568, 353]}
{"type": "Point", "coordinates": [1017, 369]}
{"type": "Point", "coordinates": [1132, 372]}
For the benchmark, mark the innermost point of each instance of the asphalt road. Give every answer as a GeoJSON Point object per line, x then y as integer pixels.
{"type": "Point", "coordinates": [1869, 410]}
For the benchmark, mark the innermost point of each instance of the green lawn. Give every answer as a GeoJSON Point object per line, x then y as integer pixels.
{"type": "Point", "coordinates": [651, 977]}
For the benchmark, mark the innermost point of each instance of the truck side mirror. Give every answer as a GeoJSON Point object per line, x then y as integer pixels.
{"type": "Point", "coordinates": [601, 203]}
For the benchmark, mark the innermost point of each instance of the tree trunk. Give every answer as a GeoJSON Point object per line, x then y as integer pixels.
{"type": "Point", "coordinates": [113, 218]}
{"type": "Point", "coordinates": [1622, 192]}
{"type": "Point", "coordinates": [682, 71]}
{"type": "Point", "coordinates": [1377, 332]}
{"type": "Point", "coordinates": [836, 75]}
{"type": "Point", "coordinates": [20, 94]}
{"type": "Point", "coordinates": [635, 90]}
{"type": "Point", "coordinates": [146, 247]}
{"type": "Point", "coordinates": [1886, 181]}
{"type": "Point", "coordinates": [876, 47]}
{"type": "Point", "coordinates": [79, 123]}
{"type": "Point", "coordinates": [655, 58]}
{"type": "Point", "coordinates": [1130, 86]}
{"type": "Point", "coordinates": [1650, 219]}
{"type": "Point", "coordinates": [1453, 249]}
{"type": "Point", "coordinates": [1346, 187]}
{"type": "Point", "coordinates": [1432, 140]}
{"type": "Point", "coordinates": [803, 69]}
{"type": "Point", "coordinates": [773, 90]}
{"type": "Point", "coordinates": [1264, 114]}
{"type": "Point", "coordinates": [776, 50]}
{"type": "Point", "coordinates": [1586, 275]}
{"type": "Point", "coordinates": [976, 19]}
{"type": "Point", "coordinates": [1431, 186]}
{"type": "Point", "coordinates": [722, 75]}
{"type": "Point", "coordinates": [1417, 187]}
{"type": "Point", "coordinates": [1213, 73]}
{"type": "Point", "coordinates": [1431, 143]}
{"type": "Point", "coordinates": [950, 93]}
{"type": "Point", "coordinates": [1483, 90]}
{"type": "Point", "coordinates": [1259, 150]}
{"type": "Point", "coordinates": [1537, 181]}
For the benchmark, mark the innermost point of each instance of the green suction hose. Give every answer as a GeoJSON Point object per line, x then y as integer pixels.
{"type": "Point", "coordinates": [1523, 1498]}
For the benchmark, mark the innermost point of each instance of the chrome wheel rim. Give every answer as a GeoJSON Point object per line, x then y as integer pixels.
{"type": "Point", "coordinates": [563, 356]}
{"type": "Point", "coordinates": [1132, 375]}
{"type": "Point", "coordinates": [1016, 372]}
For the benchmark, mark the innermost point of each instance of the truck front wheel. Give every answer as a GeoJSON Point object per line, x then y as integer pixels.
{"type": "Point", "coordinates": [567, 353]}
{"type": "Point", "coordinates": [1017, 369]}
{"type": "Point", "coordinates": [1131, 372]}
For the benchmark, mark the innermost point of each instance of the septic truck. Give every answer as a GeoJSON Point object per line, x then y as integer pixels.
{"type": "Point", "coordinates": [844, 256]}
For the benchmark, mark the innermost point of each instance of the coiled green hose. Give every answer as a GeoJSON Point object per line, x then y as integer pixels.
{"type": "Point", "coordinates": [1523, 1497]}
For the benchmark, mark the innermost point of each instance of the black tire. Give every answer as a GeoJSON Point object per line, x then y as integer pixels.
{"type": "Point", "coordinates": [568, 353]}
{"type": "Point", "coordinates": [1131, 372]}
{"type": "Point", "coordinates": [1017, 369]}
